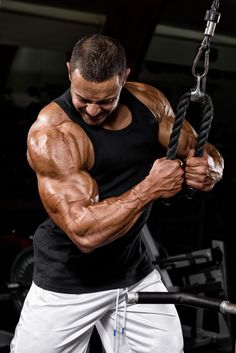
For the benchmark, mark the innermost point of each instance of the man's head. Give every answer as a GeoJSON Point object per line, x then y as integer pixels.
{"type": "Point", "coordinates": [98, 58]}
{"type": "Point", "coordinates": [97, 71]}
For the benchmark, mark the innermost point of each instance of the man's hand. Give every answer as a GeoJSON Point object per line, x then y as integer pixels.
{"type": "Point", "coordinates": [165, 179]}
{"type": "Point", "coordinates": [200, 172]}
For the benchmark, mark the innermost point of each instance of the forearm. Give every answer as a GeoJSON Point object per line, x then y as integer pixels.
{"type": "Point", "coordinates": [91, 223]}
{"type": "Point", "coordinates": [101, 223]}
{"type": "Point", "coordinates": [75, 207]}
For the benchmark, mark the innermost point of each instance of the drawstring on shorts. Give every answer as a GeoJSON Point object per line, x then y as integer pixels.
{"type": "Point", "coordinates": [116, 318]}
{"type": "Point", "coordinates": [116, 313]}
{"type": "Point", "coordinates": [124, 315]}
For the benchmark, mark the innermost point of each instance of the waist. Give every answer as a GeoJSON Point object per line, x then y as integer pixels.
{"type": "Point", "coordinates": [58, 262]}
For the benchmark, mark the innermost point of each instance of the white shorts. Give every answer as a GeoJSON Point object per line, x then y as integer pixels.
{"type": "Point", "coordinates": [62, 323]}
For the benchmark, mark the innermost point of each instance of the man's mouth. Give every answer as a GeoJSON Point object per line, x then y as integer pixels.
{"type": "Point", "coordinates": [94, 119]}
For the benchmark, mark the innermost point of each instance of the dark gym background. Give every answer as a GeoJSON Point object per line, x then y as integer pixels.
{"type": "Point", "coordinates": [161, 38]}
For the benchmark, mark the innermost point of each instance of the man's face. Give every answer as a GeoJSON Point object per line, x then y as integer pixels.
{"type": "Point", "coordinates": [95, 101]}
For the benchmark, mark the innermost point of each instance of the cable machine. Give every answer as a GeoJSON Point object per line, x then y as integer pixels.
{"type": "Point", "coordinates": [198, 95]}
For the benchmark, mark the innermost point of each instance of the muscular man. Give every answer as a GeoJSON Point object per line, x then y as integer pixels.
{"type": "Point", "coordinates": [99, 155]}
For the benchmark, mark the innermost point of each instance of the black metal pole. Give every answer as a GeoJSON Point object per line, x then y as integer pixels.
{"type": "Point", "coordinates": [197, 301]}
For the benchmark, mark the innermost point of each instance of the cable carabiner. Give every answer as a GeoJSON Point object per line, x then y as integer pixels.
{"type": "Point", "coordinates": [203, 49]}
{"type": "Point", "coordinates": [212, 17]}
{"type": "Point", "coordinates": [199, 91]}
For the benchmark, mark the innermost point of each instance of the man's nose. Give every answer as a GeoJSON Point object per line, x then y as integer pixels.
{"type": "Point", "coordinates": [93, 109]}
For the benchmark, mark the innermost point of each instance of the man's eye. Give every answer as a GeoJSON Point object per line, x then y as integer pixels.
{"type": "Point", "coordinates": [82, 100]}
{"type": "Point", "coordinates": [105, 102]}
{"type": "Point", "coordinates": [110, 101]}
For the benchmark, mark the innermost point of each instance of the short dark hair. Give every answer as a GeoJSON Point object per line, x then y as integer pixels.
{"type": "Point", "coordinates": [98, 58]}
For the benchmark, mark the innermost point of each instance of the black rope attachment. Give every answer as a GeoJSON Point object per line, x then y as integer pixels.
{"type": "Point", "coordinates": [197, 94]}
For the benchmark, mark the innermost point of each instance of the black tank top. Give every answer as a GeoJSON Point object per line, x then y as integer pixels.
{"type": "Point", "coordinates": [122, 159]}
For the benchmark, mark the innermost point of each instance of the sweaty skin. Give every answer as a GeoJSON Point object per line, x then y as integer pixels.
{"type": "Point", "coordinates": [61, 154]}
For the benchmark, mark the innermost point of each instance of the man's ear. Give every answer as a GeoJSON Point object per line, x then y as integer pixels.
{"type": "Point", "coordinates": [126, 75]}
{"type": "Point", "coordinates": [69, 70]}
{"type": "Point", "coordinates": [127, 72]}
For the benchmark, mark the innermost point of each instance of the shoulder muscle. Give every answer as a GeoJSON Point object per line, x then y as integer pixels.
{"type": "Point", "coordinates": [153, 98]}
